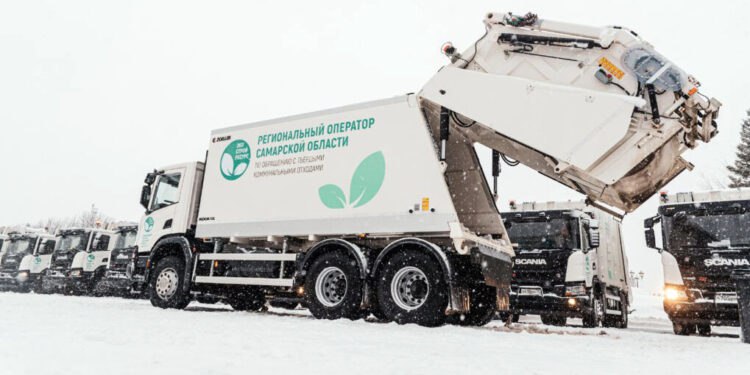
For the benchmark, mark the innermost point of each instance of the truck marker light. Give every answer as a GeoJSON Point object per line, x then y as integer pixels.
{"type": "Point", "coordinates": [216, 264]}
{"type": "Point", "coordinates": [301, 291]}
{"type": "Point", "coordinates": [572, 302]}
{"type": "Point", "coordinates": [425, 204]}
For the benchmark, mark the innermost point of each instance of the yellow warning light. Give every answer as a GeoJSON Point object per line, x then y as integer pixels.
{"type": "Point", "coordinates": [425, 204]}
{"type": "Point", "coordinates": [216, 264]}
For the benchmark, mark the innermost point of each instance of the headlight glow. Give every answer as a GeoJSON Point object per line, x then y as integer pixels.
{"type": "Point", "coordinates": [672, 293]}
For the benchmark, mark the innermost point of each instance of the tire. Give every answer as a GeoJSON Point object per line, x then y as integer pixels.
{"type": "Point", "coordinates": [593, 318]}
{"type": "Point", "coordinates": [334, 287]}
{"type": "Point", "coordinates": [250, 299]}
{"type": "Point", "coordinates": [38, 287]}
{"type": "Point", "coordinates": [24, 287]}
{"type": "Point", "coordinates": [704, 329]}
{"type": "Point", "coordinates": [167, 285]}
{"type": "Point", "coordinates": [425, 300]}
{"type": "Point", "coordinates": [554, 320]}
{"type": "Point", "coordinates": [97, 288]}
{"type": "Point", "coordinates": [683, 329]}
{"type": "Point", "coordinates": [483, 300]}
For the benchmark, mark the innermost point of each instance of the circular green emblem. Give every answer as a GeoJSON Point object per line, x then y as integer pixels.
{"type": "Point", "coordinates": [148, 224]}
{"type": "Point", "coordinates": [235, 160]}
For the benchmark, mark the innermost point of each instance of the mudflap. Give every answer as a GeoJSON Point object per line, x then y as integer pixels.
{"type": "Point", "coordinates": [497, 271]}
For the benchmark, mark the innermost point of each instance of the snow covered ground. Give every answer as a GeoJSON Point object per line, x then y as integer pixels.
{"type": "Point", "coordinates": [42, 334]}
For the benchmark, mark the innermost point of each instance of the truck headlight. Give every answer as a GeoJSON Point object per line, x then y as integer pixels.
{"type": "Point", "coordinates": [675, 293]}
{"type": "Point", "coordinates": [75, 273]}
{"type": "Point", "coordinates": [575, 290]}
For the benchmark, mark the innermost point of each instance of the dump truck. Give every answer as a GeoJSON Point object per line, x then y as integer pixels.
{"type": "Point", "coordinates": [570, 263]}
{"type": "Point", "coordinates": [118, 277]}
{"type": "Point", "coordinates": [703, 239]}
{"type": "Point", "coordinates": [79, 261]}
{"type": "Point", "coordinates": [17, 262]}
{"type": "Point", "coordinates": [383, 207]}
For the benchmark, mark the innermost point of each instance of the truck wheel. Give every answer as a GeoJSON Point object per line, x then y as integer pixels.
{"type": "Point", "coordinates": [704, 329]}
{"type": "Point", "coordinates": [248, 300]}
{"type": "Point", "coordinates": [483, 300]}
{"type": "Point", "coordinates": [334, 287]}
{"type": "Point", "coordinates": [683, 329]}
{"type": "Point", "coordinates": [412, 289]}
{"type": "Point", "coordinates": [594, 317]}
{"type": "Point", "coordinates": [24, 287]}
{"type": "Point", "coordinates": [553, 320]}
{"type": "Point", "coordinates": [166, 287]}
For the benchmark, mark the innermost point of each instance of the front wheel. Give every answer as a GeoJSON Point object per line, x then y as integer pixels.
{"type": "Point", "coordinates": [167, 285]}
{"type": "Point", "coordinates": [683, 329]}
{"type": "Point", "coordinates": [554, 320]}
{"type": "Point", "coordinates": [594, 317]}
{"type": "Point", "coordinates": [483, 300]}
{"type": "Point", "coordinates": [411, 288]}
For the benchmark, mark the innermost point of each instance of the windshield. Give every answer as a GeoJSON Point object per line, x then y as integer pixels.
{"type": "Point", "coordinates": [20, 246]}
{"type": "Point", "coordinates": [72, 242]}
{"type": "Point", "coordinates": [125, 240]}
{"type": "Point", "coordinates": [552, 234]}
{"type": "Point", "coordinates": [686, 230]}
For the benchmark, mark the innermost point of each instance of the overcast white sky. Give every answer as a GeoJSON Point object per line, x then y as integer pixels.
{"type": "Point", "coordinates": [94, 94]}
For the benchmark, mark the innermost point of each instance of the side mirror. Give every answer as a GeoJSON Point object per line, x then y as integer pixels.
{"type": "Point", "coordinates": [145, 196]}
{"type": "Point", "coordinates": [650, 238]}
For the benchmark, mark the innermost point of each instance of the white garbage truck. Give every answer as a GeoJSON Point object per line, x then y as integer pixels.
{"type": "Point", "coordinates": [18, 261]}
{"type": "Point", "coordinates": [704, 237]}
{"type": "Point", "coordinates": [570, 263]}
{"type": "Point", "coordinates": [383, 207]}
{"type": "Point", "coordinates": [79, 261]}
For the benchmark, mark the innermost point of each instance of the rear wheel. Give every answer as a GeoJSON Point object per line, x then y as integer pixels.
{"type": "Point", "coordinates": [411, 288]}
{"type": "Point", "coordinates": [683, 329]}
{"type": "Point", "coordinates": [167, 285]}
{"type": "Point", "coordinates": [334, 287]}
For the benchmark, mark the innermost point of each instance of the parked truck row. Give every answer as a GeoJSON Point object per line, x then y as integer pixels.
{"type": "Point", "coordinates": [384, 208]}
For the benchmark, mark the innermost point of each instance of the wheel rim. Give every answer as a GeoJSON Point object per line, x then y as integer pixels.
{"type": "Point", "coordinates": [166, 283]}
{"type": "Point", "coordinates": [331, 286]}
{"type": "Point", "coordinates": [410, 288]}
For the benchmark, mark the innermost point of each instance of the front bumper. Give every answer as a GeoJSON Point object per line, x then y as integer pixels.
{"type": "Point", "coordinates": [703, 312]}
{"type": "Point", "coordinates": [14, 280]}
{"type": "Point", "coordinates": [60, 281]}
{"type": "Point", "coordinates": [118, 281]}
{"type": "Point", "coordinates": [550, 304]}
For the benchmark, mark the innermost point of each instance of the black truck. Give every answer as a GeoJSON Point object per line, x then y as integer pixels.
{"type": "Point", "coordinates": [705, 236]}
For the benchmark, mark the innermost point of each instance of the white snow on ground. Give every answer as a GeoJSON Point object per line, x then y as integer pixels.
{"type": "Point", "coordinates": [41, 334]}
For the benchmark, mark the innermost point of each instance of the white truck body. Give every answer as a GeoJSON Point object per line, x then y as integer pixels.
{"type": "Point", "coordinates": [17, 268]}
{"type": "Point", "coordinates": [370, 181]}
{"type": "Point", "coordinates": [382, 179]}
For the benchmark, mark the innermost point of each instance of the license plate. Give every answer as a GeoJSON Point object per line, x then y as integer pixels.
{"type": "Point", "coordinates": [530, 292]}
{"type": "Point", "coordinates": [726, 298]}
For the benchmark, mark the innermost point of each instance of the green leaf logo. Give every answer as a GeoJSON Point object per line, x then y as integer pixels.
{"type": "Point", "coordinates": [235, 160]}
{"type": "Point", "coordinates": [148, 224]}
{"type": "Point", "coordinates": [365, 184]}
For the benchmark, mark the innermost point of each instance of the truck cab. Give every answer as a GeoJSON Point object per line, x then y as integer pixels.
{"type": "Point", "coordinates": [79, 260]}
{"type": "Point", "coordinates": [119, 269]}
{"type": "Point", "coordinates": [558, 271]}
{"type": "Point", "coordinates": [17, 260]}
{"type": "Point", "coordinates": [38, 262]}
{"type": "Point", "coordinates": [3, 245]}
{"type": "Point", "coordinates": [704, 238]}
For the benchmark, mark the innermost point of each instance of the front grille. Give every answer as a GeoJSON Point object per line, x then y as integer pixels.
{"type": "Point", "coordinates": [119, 259]}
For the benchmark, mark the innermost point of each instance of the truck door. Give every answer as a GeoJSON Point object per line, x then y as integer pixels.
{"type": "Point", "coordinates": [164, 216]}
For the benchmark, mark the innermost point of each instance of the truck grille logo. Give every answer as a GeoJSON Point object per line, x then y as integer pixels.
{"type": "Point", "coordinates": [531, 262]}
{"type": "Point", "coordinates": [717, 262]}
